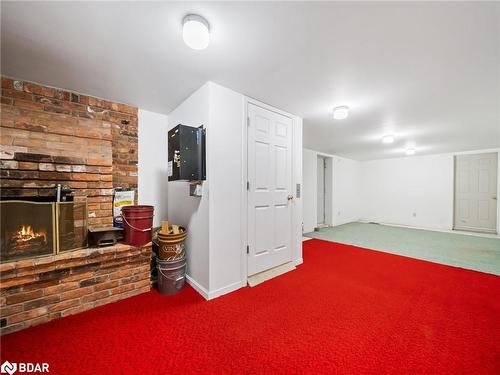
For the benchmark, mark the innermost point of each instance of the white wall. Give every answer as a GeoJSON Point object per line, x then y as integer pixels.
{"type": "Point", "coordinates": [224, 138]}
{"type": "Point", "coordinates": [346, 190]}
{"type": "Point", "coordinates": [309, 190]}
{"type": "Point", "coordinates": [415, 191]}
{"type": "Point", "coordinates": [153, 158]}
{"type": "Point", "coordinates": [394, 189]}
{"type": "Point", "coordinates": [216, 222]}
{"type": "Point", "coordinates": [193, 212]}
{"type": "Point", "coordinates": [228, 225]}
{"type": "Point", "coordinates": [214, 247]}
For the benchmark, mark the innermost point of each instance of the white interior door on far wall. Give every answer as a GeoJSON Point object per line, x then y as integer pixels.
{"type": "Point", "coordinates": [321, 190]}
{"type": "Point", "coordinates": [476, 192]}
{"type": "Point", "coordinates": [269, 189]}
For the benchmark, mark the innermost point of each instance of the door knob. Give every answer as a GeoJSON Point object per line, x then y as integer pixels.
{"type": "Point", "coordinates": [290, 197]}
{"type": "Point", "coordinates": [495, 198]}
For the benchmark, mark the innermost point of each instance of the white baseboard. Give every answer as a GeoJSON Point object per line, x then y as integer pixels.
{"type": "Point", "coordinates": [197, 287]}
{"type": "Point", "coordinates": [226, 289]}
{"type": "Point", "coordinates": [442, 230]}
{"type": "Point", "coordinates": [208, 295]}
{"type": "Point", "coordinates": [345, 221]}
{"type": "Point", "coordinates": [403, 225]}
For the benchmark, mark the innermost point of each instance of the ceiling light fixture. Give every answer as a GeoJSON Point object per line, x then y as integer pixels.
{"type": "Point", "coordinates": [389, 138]}
{"type": "Point", "coordinates": [195, 31]}
{"type": "Point", "coordinates": [340, 113]}
{"type": "Point", "coordinates": [410, 151]}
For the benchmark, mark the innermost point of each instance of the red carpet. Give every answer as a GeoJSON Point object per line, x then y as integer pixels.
{"type": "Point", "coordinates": [345, 310]}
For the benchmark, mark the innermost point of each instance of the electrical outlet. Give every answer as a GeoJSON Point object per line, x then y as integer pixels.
{"type": "Point", "coordinates": [338, 213]}
{"type": "Point", "coordinates": [414, 214]}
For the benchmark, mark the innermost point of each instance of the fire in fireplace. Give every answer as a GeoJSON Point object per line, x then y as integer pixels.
{"type": "Point", "coordinates": [26, 237]}
{"type": "Point", "coordinates": [30, 229]}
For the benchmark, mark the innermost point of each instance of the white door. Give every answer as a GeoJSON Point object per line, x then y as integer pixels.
{"type": "Point", "coordinates": [321, 190]}
{"type": "Point", "coordinates": [476, 192]}
{"type": "Point", "coordinates": [269, 189]}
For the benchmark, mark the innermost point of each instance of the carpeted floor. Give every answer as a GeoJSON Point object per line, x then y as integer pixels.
{"type": "Point", "coordinates": [346, 310]}
{"type": "Point", "coordinates": [454, 249]}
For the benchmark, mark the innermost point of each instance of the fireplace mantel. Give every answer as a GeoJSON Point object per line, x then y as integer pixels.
{"type": "Point", "coordinates": [38, 290]}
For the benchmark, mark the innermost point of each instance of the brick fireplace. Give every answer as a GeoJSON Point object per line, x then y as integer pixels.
{"type": "Point", "coordinates": [51, 136]}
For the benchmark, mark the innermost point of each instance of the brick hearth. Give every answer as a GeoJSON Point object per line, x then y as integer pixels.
{"type": "Point", "coordinates": [42, 289]}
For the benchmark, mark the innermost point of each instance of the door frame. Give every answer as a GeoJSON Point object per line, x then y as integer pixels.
{"type": "Point", "coordinates": [329, 188]}
{"type": "Point", "coordinates": [323, 158]}
{"type": "Point", "coordinates": [454, 181]}
{"type": "Point", "coordinates": [296, 209]}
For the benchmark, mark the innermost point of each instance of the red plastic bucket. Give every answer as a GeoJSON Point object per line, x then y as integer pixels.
{"type": "Point", "coordinates": [137, 224]}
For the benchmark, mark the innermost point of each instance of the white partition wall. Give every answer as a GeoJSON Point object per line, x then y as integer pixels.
{"type": "Point", "coordinates": [224, 169]}
{"type": "Point", "coordinates": [192, 212]}
{"type": "Point", "coordinates": [216, 245]}
{"type": "Point", "coordinates": [152, 169]}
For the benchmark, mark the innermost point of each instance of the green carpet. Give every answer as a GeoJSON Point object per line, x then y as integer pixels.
{"type": "Point", "coordinates": [460, 250]}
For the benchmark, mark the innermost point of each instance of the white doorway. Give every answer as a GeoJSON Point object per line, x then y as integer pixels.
{"type": "Point", "coordinates": [476, 192]}
{"type": "Point", "coordinates": [270, 192]}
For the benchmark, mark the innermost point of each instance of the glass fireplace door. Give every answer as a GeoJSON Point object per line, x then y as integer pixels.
{"type": "Point", "coordinates": [72, 225]}
{"type": "Point", "coordinates": [27, 229]}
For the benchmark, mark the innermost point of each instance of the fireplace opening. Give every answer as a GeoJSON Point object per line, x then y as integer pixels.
{"type": "Point", "coordinates": [27, 229]}
{"type": "Point", "coordinates": [32, 229]}
{"type": "Point", "coordinates": [26, 237]}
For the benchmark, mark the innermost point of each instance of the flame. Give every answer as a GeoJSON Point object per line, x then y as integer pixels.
{"type": "Point", "coordinates": [27, 233]}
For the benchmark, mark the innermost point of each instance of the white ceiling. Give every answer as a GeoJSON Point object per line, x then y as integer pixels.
{"type": "Point", "coordinates": [427, 72]}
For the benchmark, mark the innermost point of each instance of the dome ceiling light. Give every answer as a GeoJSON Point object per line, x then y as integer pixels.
{"type": "Point", "coordinates": [389, 138]}
{"type": "Point", "coordinates": [196, 31]}
{"type": "Point", "coordinates": [340, 113]}
{"type": "Point", "coordinates": [410, 151]}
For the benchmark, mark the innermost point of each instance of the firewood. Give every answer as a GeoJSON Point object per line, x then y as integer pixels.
{"type": "Point", "coordinates": [164, 227]}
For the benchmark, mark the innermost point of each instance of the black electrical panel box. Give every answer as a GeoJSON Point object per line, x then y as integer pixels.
{"type": "Point", "coordinates": [186, 153]}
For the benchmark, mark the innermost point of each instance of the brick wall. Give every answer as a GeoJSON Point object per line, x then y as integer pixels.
{"type": "Point", "coordinates": [37, 291]}
{"type": "Point", "coordinates": [50, 136]}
